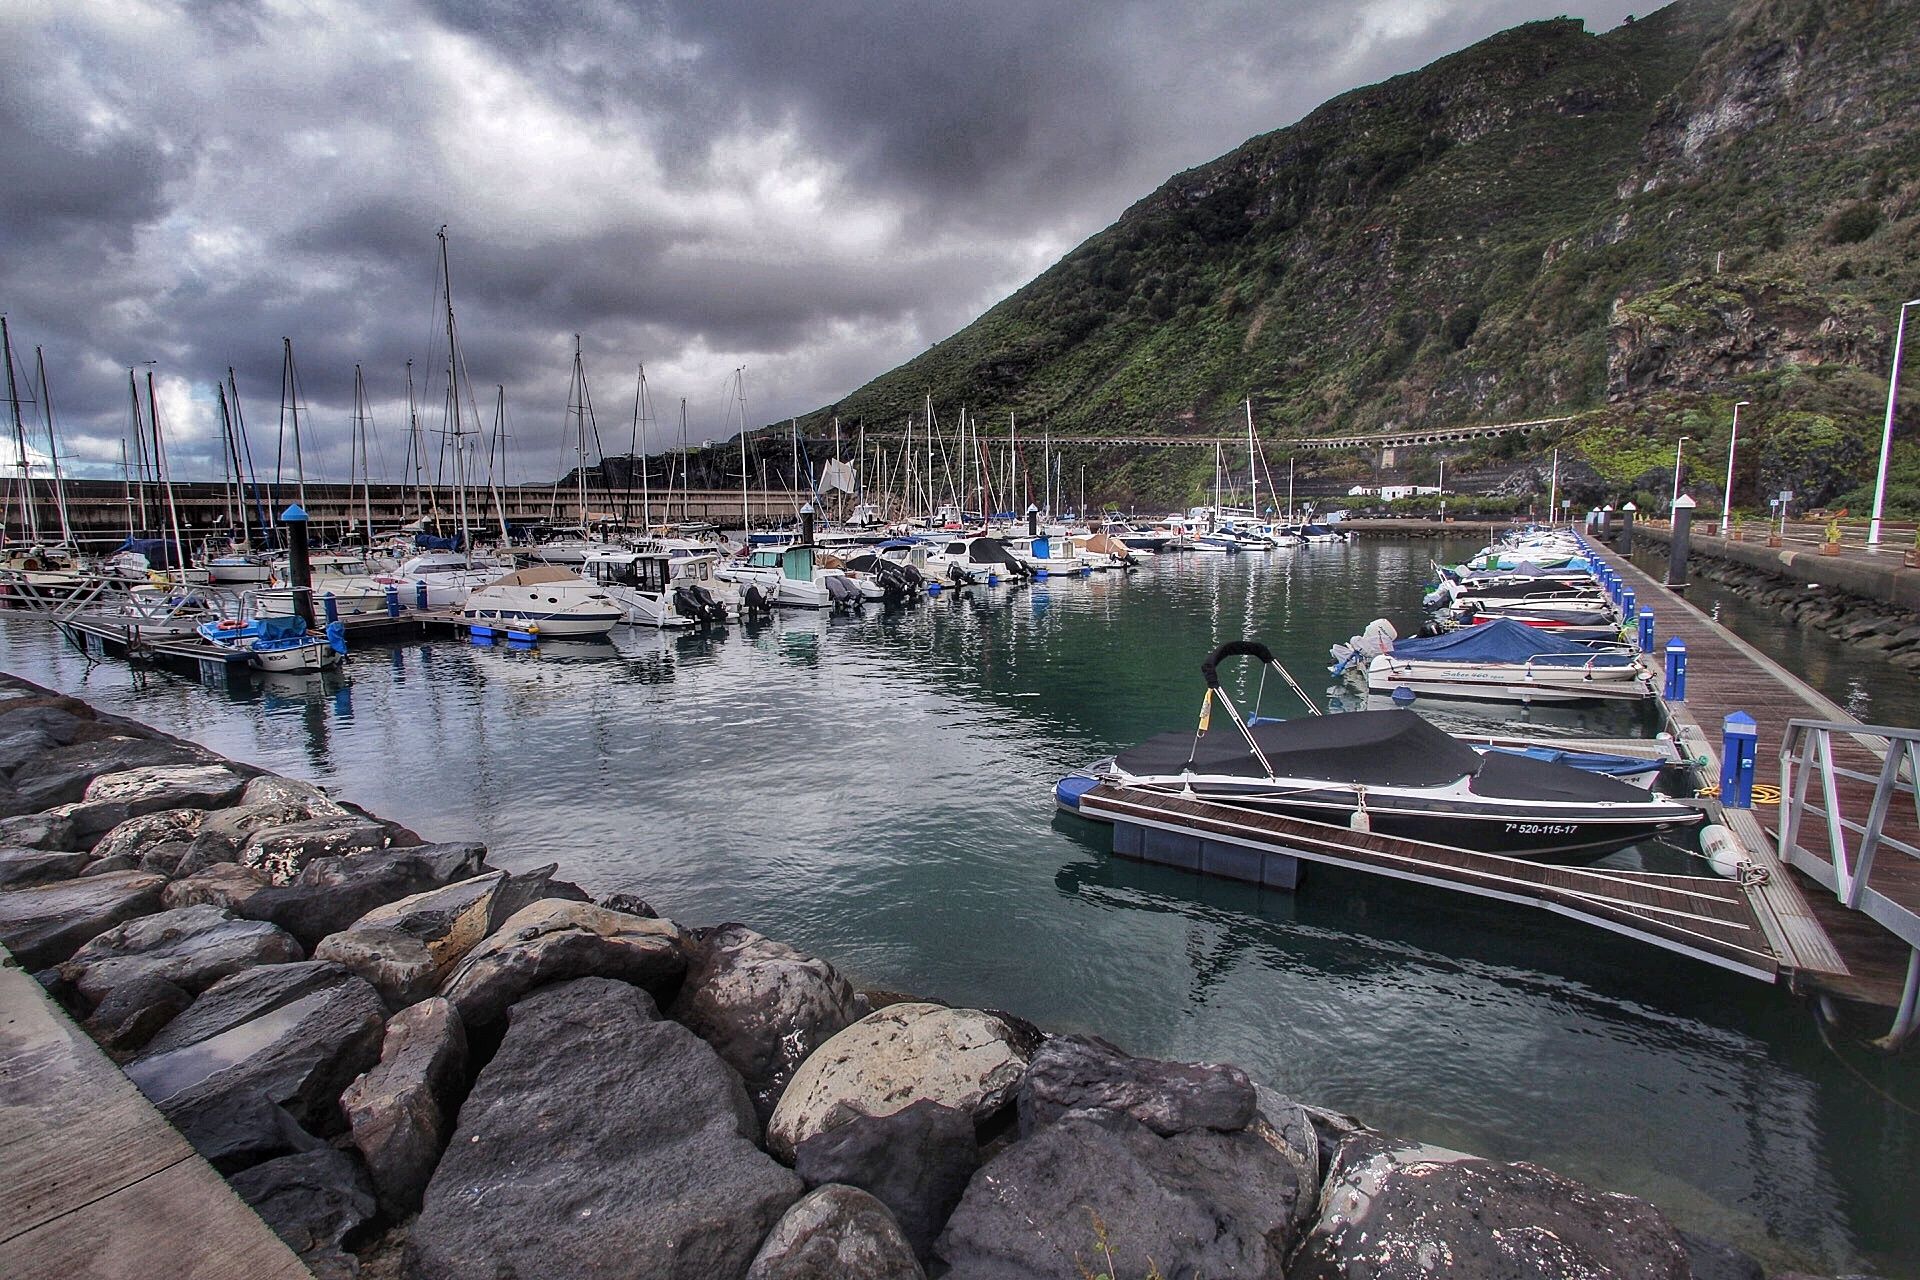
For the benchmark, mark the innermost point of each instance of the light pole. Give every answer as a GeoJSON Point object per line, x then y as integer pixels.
{"type": "Point", "coordinates": [1733, 442]}
{"type": "Point", "coordinates": [1886, 436]}
{"type": "Point", "coordinates": [1677, 451]}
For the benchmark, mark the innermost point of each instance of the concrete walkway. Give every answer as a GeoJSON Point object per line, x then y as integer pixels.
{"type": "Point", "coordinates": [94, 1183]}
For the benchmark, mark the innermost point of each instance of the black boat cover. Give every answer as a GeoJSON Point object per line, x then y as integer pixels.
{"type": "Point", "coordinates": [1364, 748]}
{"type": "Point", "coordinates": [1373, 749]}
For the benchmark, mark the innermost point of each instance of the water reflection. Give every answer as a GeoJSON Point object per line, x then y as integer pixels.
{"type": "Point", "coordinates": [875, 787]}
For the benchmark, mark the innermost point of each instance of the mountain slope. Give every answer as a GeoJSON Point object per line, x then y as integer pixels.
{"type": "Point", "coordinates": [1718, 201]}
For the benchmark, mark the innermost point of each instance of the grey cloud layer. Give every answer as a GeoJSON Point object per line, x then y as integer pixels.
{"type": "Point", "coordinates": [815, 191]}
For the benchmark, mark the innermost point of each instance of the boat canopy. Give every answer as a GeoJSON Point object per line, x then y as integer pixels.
{"type": "Point", "coordinates": [1371, 749]}
{"type": "Point", "coordinates": [990, 551]}
{"type": "Point", "coordinates": [1504, 640]}
{"type": "Point", "coordinates": [280, 627]}
{"type": "Point", "coordinates": [1365, 748]}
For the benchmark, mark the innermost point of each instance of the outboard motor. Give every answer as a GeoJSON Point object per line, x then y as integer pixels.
{"type": "Point", "coordinates": [842, 592]}
{"type": "Point", "coordinates": [754, 600]}
{"type": "Point", "coordinates": [959, 576]}
{"type": "Point", "coordinates": [685, 604]}
{"type": "Point", "coordinates": [694, 601]}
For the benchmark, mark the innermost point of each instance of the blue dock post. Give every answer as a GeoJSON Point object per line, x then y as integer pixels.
{"type": "Point", "coordinates": [1626, 602]}
{"type": "Point", "coordinates": [1676, 688]}
{"type": "Point", "coordinates": [331, 605]}
{"type": "Point", "coordinates": [1739, 751]}
{"type": "Point", "coordinates": [420, 596]}
{"type": "Point", "coordinates": [1646, 631]}
{"type": "Point", "coordinates": [393, 601]}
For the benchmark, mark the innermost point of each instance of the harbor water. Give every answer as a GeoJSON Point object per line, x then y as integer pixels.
{"type": "Point", "coordinates": [876, 789]}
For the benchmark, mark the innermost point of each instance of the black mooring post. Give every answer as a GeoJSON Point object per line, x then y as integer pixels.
{"type": "Point", "coordinates": [1682, 543]}
{"type": "Point", "coordinates": [806, 525]}
{"type": "Point", "coordinates": [1625, 543]}
{"type": "Point", "coordinates": [1033, 521]}
{"type": "Point", "coordinates": [299, 568]}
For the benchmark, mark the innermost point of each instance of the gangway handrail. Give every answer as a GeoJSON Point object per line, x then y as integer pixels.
{"type": "Point", "coordinates": [1808, 747]}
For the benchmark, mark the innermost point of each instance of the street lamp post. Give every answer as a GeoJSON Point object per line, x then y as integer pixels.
{"type": "Point", "coordinates": [1733, 442]}
{"type": "Point", "coordinates": [1886, 436]}
{"type": "Point", "coordinates": [1677, 451]}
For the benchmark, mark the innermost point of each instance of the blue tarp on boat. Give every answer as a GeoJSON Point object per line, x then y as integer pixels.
{"type": "Point", "coordinates": [1503, 640]}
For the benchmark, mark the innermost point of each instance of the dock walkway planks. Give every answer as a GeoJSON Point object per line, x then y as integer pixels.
{"type": "Point", "coordinates": [94, 1183]}
{"type": "Point", "coordinates": [1823, 944]}
{"type": "Point", "coordinates": [1705, 917]}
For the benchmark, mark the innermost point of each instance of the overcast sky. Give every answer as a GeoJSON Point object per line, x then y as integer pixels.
{"type": "Point", "coordinates": [815, 191]}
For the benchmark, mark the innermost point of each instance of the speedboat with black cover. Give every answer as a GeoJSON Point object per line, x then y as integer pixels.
{"type": "Point", "coordinates": [1394, 773]}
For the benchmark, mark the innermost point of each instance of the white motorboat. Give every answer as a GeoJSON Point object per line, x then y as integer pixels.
{"type": "Point", "coordinates": [1049, 554]}
{"type": "Point", "coordinates": [545, 599]}
{"type": "Point", "coordinates": [789, 576]}
{"type": "Point", "coordinates": [448, 576]}
{"type": "Point", "coordinates": [1505, 661]}
{"type": "Point", "coordinates": [278, 642]}
{"type": "Point", "coordinates": [242, 568]}
{"type": "Point", "coordinates": [975, 560]}
{"type": "Point", "coordinates": [347, 577]}
{"type": "Point", "coordinates": [638, 581]}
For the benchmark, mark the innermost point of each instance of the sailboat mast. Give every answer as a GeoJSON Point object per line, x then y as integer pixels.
{"type": "Point", "coordinates": [1253, 474]}
{"type": "Point", "coordinates": [245, 446]}
{"type": "Point", "coordinates": [633, 453]}
{"type": "Point", "coordinates": [686, 482]}
{"type": "Point", "coordinates": [20, 436]}
{"type": "Point", "coordinates": [53, 446]}
{"type": "Point", "coordinates": [230, 463]}
{"type": "Point", "coordinates": [416, 454]}
{"type": "Point", "coordinates": [362, 420]}
{"type": "Point", "coordinates": [159, 460]}
{"type": "Point", "coordinates": [740, 393]}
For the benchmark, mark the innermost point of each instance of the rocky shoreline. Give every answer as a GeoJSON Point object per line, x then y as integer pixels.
{"type": "Point", "coordinates": [412, 1063]}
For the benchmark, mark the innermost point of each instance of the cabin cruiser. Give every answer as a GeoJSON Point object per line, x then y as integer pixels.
{"type": "Point", "coordinates": [791, 577]}
{"type": "Point", "coordinates": [278, 642]}
{"type": "Point", "coordinates": [346, 576]}
{"type": "Point", "coordinates": [240, 569]}
{"type": "Point", "coordinates": [448, 576]}
{"type": "Point", "coordinates": [570, 545]}
{"type": "Point", "coordinates": [545, 599]}
{"type": "Point", "coordinates": [1497, 661]}
{"type": "Point", "coordinates": [975, 560]}
{"type": "Point", "coordinates": [1102, 550]}
{"type": "Point", "coordinates": [1147, 541]}
{"type": "Point", "coordinates": [638, 582]}
{"type": "Point", "coordinates": [1394, 773]}
{"type": "Point", "coordinates": [697, 591]}
{"type": "Point", "coordinates": [1050, 555]}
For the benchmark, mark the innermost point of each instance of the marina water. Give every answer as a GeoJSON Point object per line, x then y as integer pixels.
{"type": "Point", "coordinates": [876, 789]}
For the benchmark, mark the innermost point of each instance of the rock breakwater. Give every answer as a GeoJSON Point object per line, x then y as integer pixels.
{"type": "Point", "coordinates": [412, 1062]}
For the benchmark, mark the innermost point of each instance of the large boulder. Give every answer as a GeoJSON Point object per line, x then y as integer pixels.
{"type": "Point", "coordinates": [331, 893]}
{"type": "Point", "coordinates": [1096, 1191]}
{"type": "Point", "coordinates": [1398, 1209]}
{"type": "Point", "coordinates": [45, 924]}
{"type": "Point", "coordinates": [161, 825]}
{"type": "Point", "coordinates": [224, 884]}
{"type": "Point", "coordinates": [61, 776]}
{"type": "Point", "coordinates": [555, 940]}
{"type": "Point", "coordinates": [600, 1141]}
{"type": "Point", "coordinates": [151, 788]}
{"type": "Point", "coordinates": [49, 830]}
{"type": "Point", "coordinates": [763, 1006]}
{"type": "Point", "coordinates": [894, 1057]}
{"type": "Point", "coordinates": [240, 1128]}
{"type": "Point", "coordinates": [836, 1233]}
{"type": "Point", "coordinates": [1072, 1073]}
{"type": "Point", "coordinates": [407, 948]}
{"type": "Point", "coordinates": [284, 851]}
{"type": "Point", "coordinates": [265, 803]}
{"type": "Point", "coordinates": [246, 996]}
{"type": "Point", "coordinates": [402, 1109]}
{"type": "Point", "coordinates": [916, 1161]}
{"type": "Point", "coordinates": [317, 1201]}
{"type": "Point", "coordinates": [1289, 1129]}
{"type": "Point", "coordinates": [193, 948]}
{"type": "Point", "coordinates": [524, 888]}
{"type": "Point", "coordinates": [134, 1011]}
{"type": "Point", "coordinates": [300, 1055]}
{"type": "Point", "coordinates": [22, 868]}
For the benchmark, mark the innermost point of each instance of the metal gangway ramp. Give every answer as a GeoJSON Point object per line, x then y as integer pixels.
{"type": "Point", "coordinates": [1706, 917]}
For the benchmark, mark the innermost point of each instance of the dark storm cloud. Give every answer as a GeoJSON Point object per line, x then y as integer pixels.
{"type": "Point", "coordinates": [813, 191]}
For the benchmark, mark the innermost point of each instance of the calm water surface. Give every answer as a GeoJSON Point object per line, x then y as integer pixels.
{"type": "Point", "coordinates": [876, 789]}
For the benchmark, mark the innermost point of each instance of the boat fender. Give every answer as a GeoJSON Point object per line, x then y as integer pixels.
{"type": "Point", "coordinates": [1724, 852]}
{"type": "Point", "coordinates": [1361, 820]}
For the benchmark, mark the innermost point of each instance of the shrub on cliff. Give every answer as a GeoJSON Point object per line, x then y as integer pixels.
{"type": "Point", "coordinates": [1852, 224]}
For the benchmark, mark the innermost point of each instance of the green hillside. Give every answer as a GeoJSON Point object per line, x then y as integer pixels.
{"type": "Point", "coordinates": [1716, 202]}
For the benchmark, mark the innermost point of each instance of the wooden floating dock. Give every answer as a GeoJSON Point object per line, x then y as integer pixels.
{"type": "Point", "coordinates": [1825, 947]}
{"type": "Point", "coordinates": [1705, 917]}
{"type": "Point", "coordinates": [93, 1181]}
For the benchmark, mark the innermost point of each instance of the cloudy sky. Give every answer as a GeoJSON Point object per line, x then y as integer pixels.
{"type": "Point", "coordinates": [814, 191]}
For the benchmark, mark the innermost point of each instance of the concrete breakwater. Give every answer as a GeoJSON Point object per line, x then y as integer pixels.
{"type": "Point", "coordinates": [414, 1063]}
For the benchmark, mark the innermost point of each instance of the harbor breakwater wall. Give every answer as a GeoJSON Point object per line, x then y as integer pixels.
{"type": "Point", "coordinates": [1870, 604]}
{"type": "Point", "coordinates": [412, 1062]}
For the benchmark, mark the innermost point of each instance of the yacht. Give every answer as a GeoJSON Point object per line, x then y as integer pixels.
{"type": "Point", "coordinates": [638, 581]}
{"type": "Point", "coordinates": [545, 599]}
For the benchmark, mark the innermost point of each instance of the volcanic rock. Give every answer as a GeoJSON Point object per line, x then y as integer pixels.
{"type": "Point", "coordinates": [45, 924]}
{"type": "Point", "coordinates": [555, 940]}
{"type": "Point", "coordinates": [402, 1109]}
{"type": "Point", "coordinates": [836, 1233]}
